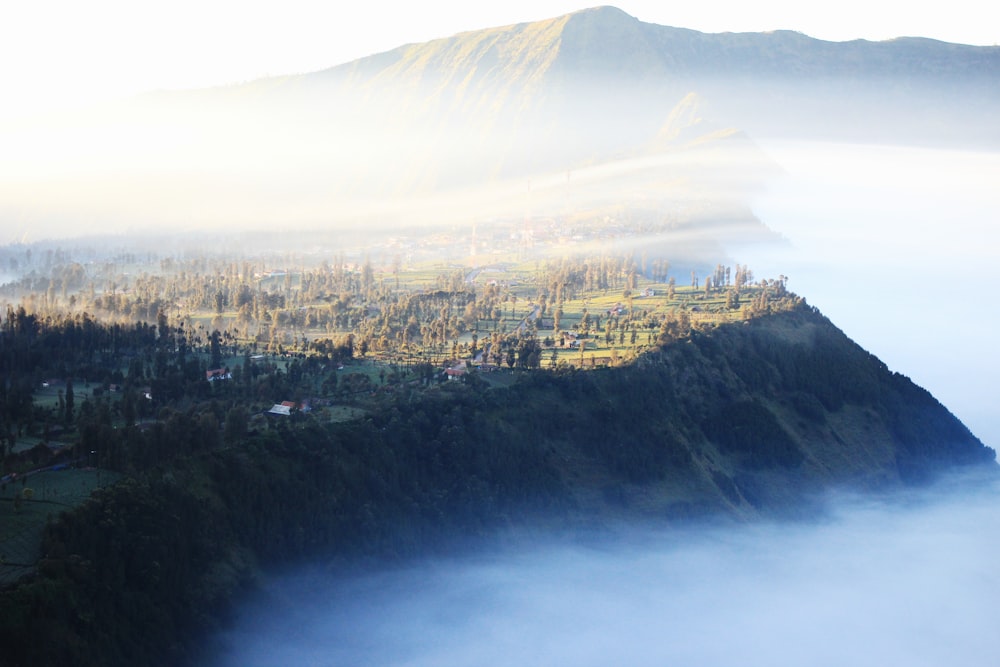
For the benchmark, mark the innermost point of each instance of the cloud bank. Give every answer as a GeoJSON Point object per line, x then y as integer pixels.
{"type": "Point", "coordinates": [908, 581]}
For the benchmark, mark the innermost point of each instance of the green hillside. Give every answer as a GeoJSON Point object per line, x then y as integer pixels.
{"type": "Point", "coordinates": [743, 420]}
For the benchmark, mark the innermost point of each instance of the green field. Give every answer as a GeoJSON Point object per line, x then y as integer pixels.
{"type": "Point", "coordinates": [23, 519]}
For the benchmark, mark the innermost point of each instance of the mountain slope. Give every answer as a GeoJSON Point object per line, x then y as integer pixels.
{"type": "Point", "coordinates": [522, 101]}
{"type": "Point", "coordinates": [484, 114]}
{"type": "Point", "coordinates": [606, 48]}
{"type": "Point", "coordinates": [740, 421]}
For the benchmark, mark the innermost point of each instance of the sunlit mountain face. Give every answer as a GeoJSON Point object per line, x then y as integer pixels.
{"type": "Point", "coordinates": [591, 109]}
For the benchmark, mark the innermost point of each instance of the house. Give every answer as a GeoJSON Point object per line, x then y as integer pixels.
{"type": "Point", "coordinates": [456, 370]}
{"type": "Point", "coordinates": [570, 338]}
{"type": "Point", "coordinates": [218, 374]}
{"type": "Point", "coordinates": [649, 291]}
{"type": "Point", "coordinates": [284, 408]}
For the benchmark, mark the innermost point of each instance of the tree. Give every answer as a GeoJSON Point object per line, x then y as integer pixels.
{"type": "Point", "coordinates": [128, 408]}
{"type": "Point", "coordinates": [216, 348]}
{"type": "Point", "coordinates": [529, 353]}
{"type": "Point", "coordinates": [235, 427]}
{"type": "Point", "coordinates": [163, 329]}
{"type": "Point", "coordinates": [367, 276]}
{"type": "Point", "coordinates": [68, 415]}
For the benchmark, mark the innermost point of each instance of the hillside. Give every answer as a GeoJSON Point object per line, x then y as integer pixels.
{"type": "Point", "coordinates": [744, 420]}
{"type": "Point", "coordinates": [598, 82]}
{"type": "Point", "coordinates": [601, 66]}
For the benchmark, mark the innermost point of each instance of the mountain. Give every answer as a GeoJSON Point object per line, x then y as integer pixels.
{"type": "Point", "coordinates": [741, 421]}
{"type": "Point", "coordinates": [603, 69]}
{"type": "Point", "coordinates": [592, 109]}
{"type": "Point", "coordinates": [602, 47]}
{"type": "Point", "coordinates": [464, 128]}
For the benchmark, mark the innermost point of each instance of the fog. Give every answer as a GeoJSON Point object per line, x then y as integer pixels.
{"type": "Point", "coordinates": [898, 246]}
{"type": "Point", "coordinates": [905, 580]}
{"type": "Point", "coordinates": [306, 155]}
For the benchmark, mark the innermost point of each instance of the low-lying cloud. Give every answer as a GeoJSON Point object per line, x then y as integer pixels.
{"type": "Point", "coordinates": [905, 581]}
{"type": "Point", "coordinates": [889, 242]}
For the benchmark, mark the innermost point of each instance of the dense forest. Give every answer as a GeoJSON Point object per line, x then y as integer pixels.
{"type": "Point", "coordinates": [744, 419]}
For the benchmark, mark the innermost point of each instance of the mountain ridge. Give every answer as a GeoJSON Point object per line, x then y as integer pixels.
{"type": "Point", "coordinates": [545, 95]}
{"type": "Point", "coordinates": [510, 105]}
{"type": "Point", "coordinates": [689, 45]}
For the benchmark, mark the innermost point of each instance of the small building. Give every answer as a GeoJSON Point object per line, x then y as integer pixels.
{"type": "Point", "coordinates": [218, 374]}
{"type": "Point", "coordinates": [617, 310]}
{"type": "Point", "coordinates": [284, 408]}
{"type": "Point", "coordinates": [569, 338]}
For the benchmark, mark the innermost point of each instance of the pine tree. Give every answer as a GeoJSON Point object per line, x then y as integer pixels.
{"type": "Point", "coordinates": [68, 417]}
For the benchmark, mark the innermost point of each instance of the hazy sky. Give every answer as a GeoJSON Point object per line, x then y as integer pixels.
{"type": "Point", "coordinates": [58, 51]}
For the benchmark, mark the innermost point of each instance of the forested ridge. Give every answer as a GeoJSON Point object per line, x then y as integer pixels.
{"type": "Point", "coordinates": [741, 419]}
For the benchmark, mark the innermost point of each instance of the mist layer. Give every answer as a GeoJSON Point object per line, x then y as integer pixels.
{"type": "Point", "coordinates": [901, 581]}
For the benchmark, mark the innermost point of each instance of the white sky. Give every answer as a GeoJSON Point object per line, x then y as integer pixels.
{"type": "Point", "coordinates": [54, 52]}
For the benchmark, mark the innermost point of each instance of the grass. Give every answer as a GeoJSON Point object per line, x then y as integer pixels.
{"type": "Point", "coordinates": [22, 521]}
